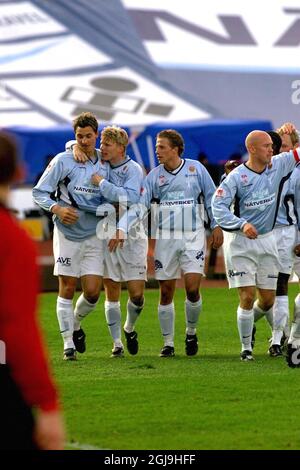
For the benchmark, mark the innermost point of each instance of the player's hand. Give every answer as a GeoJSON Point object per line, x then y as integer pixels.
{"type": "Point", "coordinates": [67, 215]}
{"type": "Point", "coordinates": [287, 128]}
{"type": "Point", "coordinates": [250, 231]}
{"type": "Point", "coordinates": [96, 179]}
{"type": "Point", "coordinates": [49, 432]}
{"type": "Point", "coordinates": [297, 250]}
{"type": "Point", "coordinates": [216, 238]}
{"type": "Point", "coordinates": [79, 154]}
{"type": "Point", "coordinates": [118, 240]}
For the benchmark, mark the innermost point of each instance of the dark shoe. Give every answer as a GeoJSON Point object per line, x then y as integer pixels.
{"type": "Point", "coordinates": [117, 352]}
{"type": "Point", "coordinates": [246, 356]}
{"type": "Point", "coordinates": [275, 350]}
{"type": "Point", "coordinates": [79, 340]}
{"type": "Point", "coordinates": [293, 356]}
{"type": "Point", "coordinates": [167, 351]}
{"type": "Point", "coordinates": [132, 342]}
{"type": "Point", "coordinates": [69, 354]}
{"type": "Point", "coordinates": [253, 336]}
{"type": "Point", "coordinates": [191, 345]}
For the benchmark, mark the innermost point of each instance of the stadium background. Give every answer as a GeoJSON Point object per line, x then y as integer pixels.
{"type": "Point", "coordinates": [214, 74]}
{"type": "Point", "coordinates": [214, 71]}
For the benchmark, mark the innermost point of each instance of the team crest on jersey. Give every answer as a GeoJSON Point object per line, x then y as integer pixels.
{"type": "Point", "coordinates": [192, 169]}
{"type": "Point", "coordinates": [244, 179]}
{"type": "Point", "coordinates": [161, 180]}
{"type": "Point", "coordinates": [220, 192]}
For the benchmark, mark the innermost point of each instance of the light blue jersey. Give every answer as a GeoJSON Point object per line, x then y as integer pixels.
{"type": "Point", "coordinates": [256, 196]}
{"type": "Point", "coordinates": [124, 183]}
{"type": "Point", "coordinates": [72, 183]}
{"type": "Point", "coordinates": [177, 199]}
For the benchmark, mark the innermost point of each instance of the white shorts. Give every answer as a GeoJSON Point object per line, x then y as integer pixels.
{"type": "Point", "coordinates": [128, 263]}
{"type": "Point", "coordinates": [175, 255]}
{"type": "Point", "coordinates": [77, 259]}
{"type": "Point", "coordinates": [286, 241]}
{"type": "Point", "coordinates": [251, 262]}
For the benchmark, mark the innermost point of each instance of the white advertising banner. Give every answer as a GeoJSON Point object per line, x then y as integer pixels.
{"type": "Point", "coordinates": [231, 35]}
{"type": "Point", "coordinates": [49, 74]}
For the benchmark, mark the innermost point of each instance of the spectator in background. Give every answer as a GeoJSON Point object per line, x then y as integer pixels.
{"type": "Point", "coordinates": [213, 170]}
{"type": "Point", "coordinates": [25, 381]}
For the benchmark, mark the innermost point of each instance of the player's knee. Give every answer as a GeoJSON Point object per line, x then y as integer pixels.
{"type": "Point", "coordinates": [193, 295]}
{"type": "Point", "coordinates": [91, 297]}
{"type": "Point", "coordinates": [246, 301]}
{"type": "Point", "coordinates": [67, 289]}
{"type": "Point", "coordinates": [166, 297]}
{"type": "Point", "coordinates": [137, 299]}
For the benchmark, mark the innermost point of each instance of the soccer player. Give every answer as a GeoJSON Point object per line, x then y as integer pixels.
{"type": "Point", "coordinates": [179, 188]}
{"type": "Point", "coordinates": [251, 255]}
{"type": "Point", "coordinates": [286, 236]}
{"type": "Point", "coordinates": [128, 264]}
{"type": "Point", "coordinates": [78, 252]}
{"type": "Point", "coordinates": [25, 379]}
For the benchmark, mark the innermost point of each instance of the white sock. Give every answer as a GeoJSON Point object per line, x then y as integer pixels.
{"type": "Point", "coordinates": [280, 314]}
{"type": "Point", "coordinates": [245, 324]}
{"type": "Point", "coordinates": [294, 338]}
{"type": "Point", "coordinates": [113, 319]}
{"type": "Point", "coordinates": [257, 312]}
{"type": "Point", "coordinates": [82, 308]}
{"type": "Point", "coordinates": [192, 312]}
{"type": "Point", "coordinates": [133, 312]}
{"type": "Point", "coordinates": [297, 307]}
{"type": "Point", "coordinates": [65, 317]}
{"type": "Point", "coordinates": [166, 316]}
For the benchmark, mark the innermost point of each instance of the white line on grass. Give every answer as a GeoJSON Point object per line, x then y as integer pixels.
{"type": "Point", "coordinates": [79, 446]}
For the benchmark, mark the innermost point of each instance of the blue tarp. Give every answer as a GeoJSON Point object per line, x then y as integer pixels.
{"type": "Point", "coordinates": [218, 139]}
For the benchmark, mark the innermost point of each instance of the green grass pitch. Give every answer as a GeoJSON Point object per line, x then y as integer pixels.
{"type": "Point", "coordinates": [210, 401]}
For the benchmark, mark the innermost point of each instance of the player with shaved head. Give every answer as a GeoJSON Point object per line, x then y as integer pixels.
{"type": "Point", "coordinates": [251, 254]}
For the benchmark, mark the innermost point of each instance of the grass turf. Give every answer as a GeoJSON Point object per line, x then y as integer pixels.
{"type": "Point", "coordinates": [210, 401]}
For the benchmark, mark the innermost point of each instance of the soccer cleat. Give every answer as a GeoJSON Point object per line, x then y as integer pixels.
{"type": "Point", "coordinates": [132, 342]}
{"type": "Point", "coordinates": [79, 340]}
{"type": "Point", "coordinates": [253, 336]}
{"type": "Point", "coordinates": [275, 350]}
{"type": "Point", "coordinates": [167, 351]}
{"type": "Point", "coordinates": [118, 351]}
{"type": "Point", "coordinates": [69, 354]}
{"type": "Point", "coordinates": [246, 356]}
{"type": "Point", "coordinates": [191, 345]}
{"type": "Point", "coordinates": [293, 356]}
